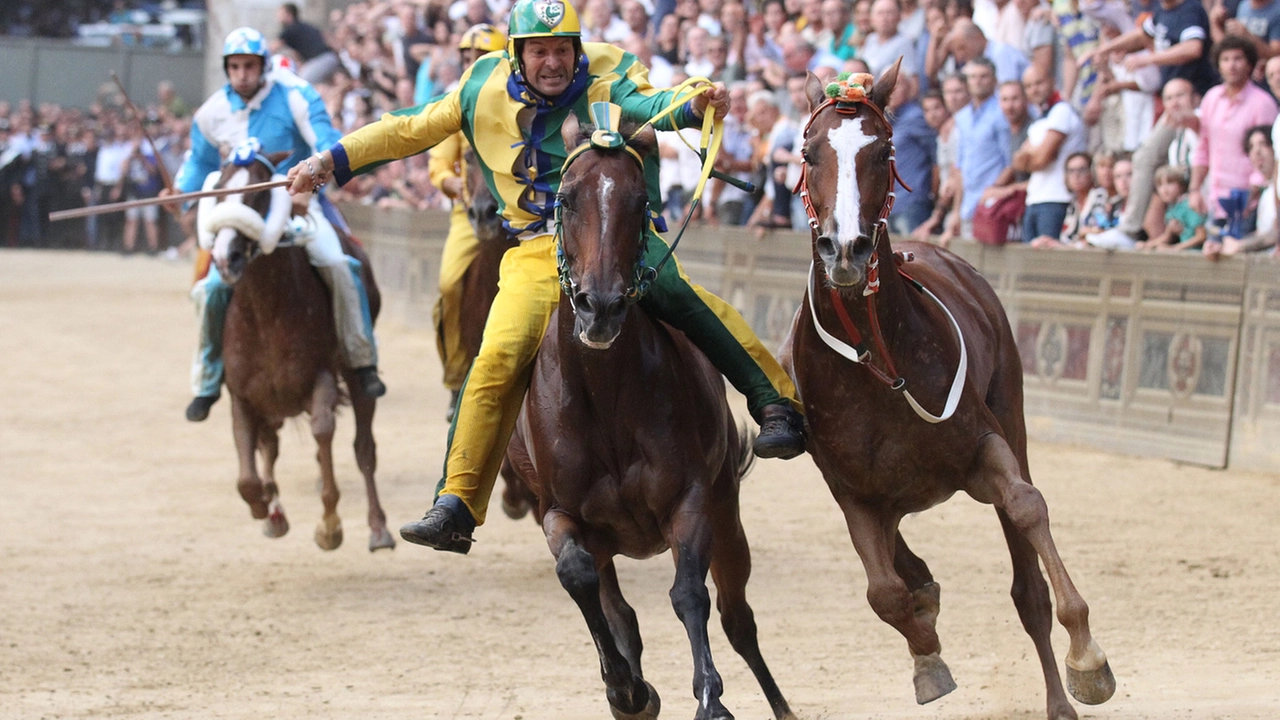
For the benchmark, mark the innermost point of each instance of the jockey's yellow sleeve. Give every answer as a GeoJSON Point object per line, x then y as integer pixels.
{"type": "Point", "coordinates": [515, 133]}
{"type": "Point", "coordinates": [446, 159]}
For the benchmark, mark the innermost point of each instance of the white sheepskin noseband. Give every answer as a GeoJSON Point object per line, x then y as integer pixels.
{"type": "Point", "coordinates": [214, 216]}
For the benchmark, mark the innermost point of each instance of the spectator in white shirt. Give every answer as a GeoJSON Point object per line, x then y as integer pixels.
{"type": "Point", "coordinates": [1050, 141]}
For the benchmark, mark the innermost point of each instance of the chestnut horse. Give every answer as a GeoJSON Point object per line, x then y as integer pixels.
{"type": "Point", "coordinates": [281, 352]}
{"type": "Point", "coordinates": [938, 338]}
{"type": "Point", "coordinates": [627, 442]}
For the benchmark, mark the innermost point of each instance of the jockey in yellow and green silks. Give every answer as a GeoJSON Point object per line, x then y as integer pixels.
{"type": "Point", "coordinates": [448, 171]}
{"type": "Point", "coordinates": [510, 106]}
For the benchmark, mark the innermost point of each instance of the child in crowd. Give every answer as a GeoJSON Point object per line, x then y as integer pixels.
{"type": "Point", "coordinates": [1184, 228]}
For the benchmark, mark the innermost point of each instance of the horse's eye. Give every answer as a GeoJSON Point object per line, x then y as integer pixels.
{"type": "Point", "coordinates": [805, 156]}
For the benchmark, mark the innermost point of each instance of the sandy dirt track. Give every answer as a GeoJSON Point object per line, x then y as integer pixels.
{"type": "Point", "coordinates": [133, 582]}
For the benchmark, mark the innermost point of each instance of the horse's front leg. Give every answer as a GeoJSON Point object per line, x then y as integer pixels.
{"type": "Point", "coordinates": [690, 537]}
{"type": "Point", "coordinates": [269, 445]}
{"type": "Point", "coordinates": [874, 534]}
{"type": "Point", "coordinates": [366, 449]}
{"type": "Point", "coordinates": [1000, 482]}
{"type": "Point", "coordinates": [245, 427]}
{"type": "Point", "coordinates": [630, 698]}
{"type": "Point", "coordinates": [324, 396]}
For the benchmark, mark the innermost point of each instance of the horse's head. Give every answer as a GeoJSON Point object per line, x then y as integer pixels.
{"type": "Point", "coordinates": [848, 175]}
{"type": "Point", "coordinates": [482, 207]}
{"type": "Point", "coordinates": [237, 227]}
{"type": "Point", "coordinates": [603, 221]}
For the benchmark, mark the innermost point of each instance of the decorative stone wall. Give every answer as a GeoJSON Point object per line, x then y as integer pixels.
{"type": "Point", "coordinates": [1152, 355]}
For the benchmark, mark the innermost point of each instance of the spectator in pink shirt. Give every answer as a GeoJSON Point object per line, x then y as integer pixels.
{"type": "Point", "coordinates": [1226, 114]}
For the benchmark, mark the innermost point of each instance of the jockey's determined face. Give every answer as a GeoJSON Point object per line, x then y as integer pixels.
{"type": "Point", "coordinates": [245, 74]}
{"type": "Point", "coordinates": [549, 63]}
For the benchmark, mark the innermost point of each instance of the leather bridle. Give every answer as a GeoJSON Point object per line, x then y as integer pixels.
{"type": "Point", "coordinates": [882, 222]}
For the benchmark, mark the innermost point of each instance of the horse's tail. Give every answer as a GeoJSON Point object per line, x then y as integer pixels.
{"type": "Point", "coordinates": [746, 458]}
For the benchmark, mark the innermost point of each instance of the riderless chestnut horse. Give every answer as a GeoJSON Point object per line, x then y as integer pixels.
{"type": "Point", "coordinates": [876, 350]}
{"type": "Point", "coordinates": [627, 442]}
{"type": "Point", "coordinates": [280, 350]}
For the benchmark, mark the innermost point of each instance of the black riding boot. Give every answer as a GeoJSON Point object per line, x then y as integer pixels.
{"type": "Point", "coordinates": [369, 381]}
{"type": "Point", "coordinates": [199, 408]}
{"type": "Point", "coordinates": [781, 433]}
{"type": "Point", "coordinates": [447, 526]}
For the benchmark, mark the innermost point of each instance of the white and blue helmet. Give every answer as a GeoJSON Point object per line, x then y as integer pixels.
{"type": "Point", "coordinates": [245, 41]}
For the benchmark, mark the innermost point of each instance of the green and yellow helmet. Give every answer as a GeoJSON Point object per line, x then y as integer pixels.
{"type": "Point", "coordinates": [540, 18]}
{"type": "Point", "coordinates": [482, 37]}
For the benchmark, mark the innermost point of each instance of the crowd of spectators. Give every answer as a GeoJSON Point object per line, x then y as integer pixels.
{"type": "Point", "coordinates": [173, 24]}
{"type": "Point", "coordinates": [1120, 124]}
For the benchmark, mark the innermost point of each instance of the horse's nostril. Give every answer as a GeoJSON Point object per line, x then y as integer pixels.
{"type": "Point", "coordinates": [826, 246]}
{"type": "Point", "coordinates": [582, 302]}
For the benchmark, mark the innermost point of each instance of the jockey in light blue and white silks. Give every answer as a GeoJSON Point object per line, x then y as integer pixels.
{"type": "Point", "coordinates": [285, 114]}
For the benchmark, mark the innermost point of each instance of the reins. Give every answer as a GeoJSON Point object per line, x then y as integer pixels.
{"type": "Point", "coordinates": [606, 137]}
{"type": "Point", "coordinates": [850, 98]}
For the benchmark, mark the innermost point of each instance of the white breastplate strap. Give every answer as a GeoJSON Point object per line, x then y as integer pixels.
{"type": "Point", "coordinates": [849, 353]}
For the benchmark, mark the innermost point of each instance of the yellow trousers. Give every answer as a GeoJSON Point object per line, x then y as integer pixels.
{"type": "Point", "coordinates": [528, 292]}
{"type": "Point", "coordinates": [460, 249]}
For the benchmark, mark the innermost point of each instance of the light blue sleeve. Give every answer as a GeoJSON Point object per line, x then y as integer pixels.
{"type": "Point", "coordinates": [201, 159]}
{"type": "Point", "coordinates": [318, 119]}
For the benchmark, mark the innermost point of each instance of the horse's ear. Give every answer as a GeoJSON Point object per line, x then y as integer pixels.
{"type": "Point", "coordinates": [278, 157]}
{"type": "Point", "coordinates": [569, 132]}
{"type": "Point", "coordinates": [882, 89]}
{"type": "Point", "coordinates": [815, 90]}
{"type": "Point", "coordinates": [645, 140]}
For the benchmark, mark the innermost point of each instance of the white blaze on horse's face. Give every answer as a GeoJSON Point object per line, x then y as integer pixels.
{"type": "Point", "coordinates": [847, 140]}
{"type": "Point", "coordinates": [227, 233]}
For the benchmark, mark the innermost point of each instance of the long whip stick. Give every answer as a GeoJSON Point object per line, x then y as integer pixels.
{"type": "Point", "coordinates": [117, 207]}
{"type": "Point", "coordinates": [137, 117]}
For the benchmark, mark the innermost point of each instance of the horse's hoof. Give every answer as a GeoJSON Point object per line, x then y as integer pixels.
{"type": "Point", "coordinates": [381, 539]}
{"type": "Point", "coordinates": [276, 525]}
{"type": "Point", "coordinates": [1091, 687]}
{"type": "Point", "coordinates": [932, 678]}
{"type": "Point", "coordinates": [329, 533]}
{"type": "Point", "coordinates": [515, 510]}
{"type": "Point", "coordinates": [251, 492]}
{"type": "Point", "coordinates": [650, 711]}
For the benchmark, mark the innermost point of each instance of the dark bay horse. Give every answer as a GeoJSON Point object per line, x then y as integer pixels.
{"type": "Point", "coordinates": [938, 339]}
{"type": "Point", "coordinates": [281, 353]}
{"type": "Point", "coordinates": [627, 442]}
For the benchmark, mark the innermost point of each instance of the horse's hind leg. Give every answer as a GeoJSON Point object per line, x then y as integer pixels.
{"type": "Point", "coordinates": [367, 459]}
{"type": "Point", "coordinates": [1031, 597]}
{"type": "Point", "coordinates": [731, 569]}
{"type": "Point", "coordinates": [621, 617]}
{"type": "Point", "coordinates": [630, 697]}
{"type": "Point", "coordinates": [324, 397]}
{"type": "Point", "coordinates": [874, 537]}
{"type": "Point", "coordinates": [1000, 483]}
{"type": "Point", "coordinates": [690, 537]}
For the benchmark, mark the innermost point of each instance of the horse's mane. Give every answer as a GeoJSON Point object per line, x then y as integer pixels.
{"type": "Point", "coordinates": [644, 143]}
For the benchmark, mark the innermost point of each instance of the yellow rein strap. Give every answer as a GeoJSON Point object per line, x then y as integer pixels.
{"type": "Point", "coordinates": [709, 142]}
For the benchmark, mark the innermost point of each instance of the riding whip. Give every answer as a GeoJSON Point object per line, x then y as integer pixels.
{"type": "Point", "coordinates": [126, 205]}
